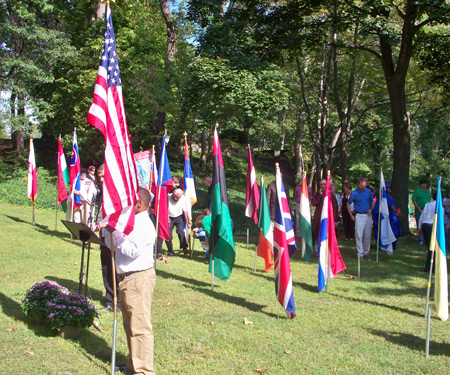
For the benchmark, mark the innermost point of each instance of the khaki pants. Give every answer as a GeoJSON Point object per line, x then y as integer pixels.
{"type": "Point", "coordinates": [363, 233]}
{"type": "Point", "coordinates": [136, 291]}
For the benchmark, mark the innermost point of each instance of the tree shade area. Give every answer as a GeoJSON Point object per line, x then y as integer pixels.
{"type": "Point", "coordinates": [348, 86]}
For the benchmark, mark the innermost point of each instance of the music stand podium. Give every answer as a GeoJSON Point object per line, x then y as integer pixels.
{"type": "Point", "coordinates": [83, 233]}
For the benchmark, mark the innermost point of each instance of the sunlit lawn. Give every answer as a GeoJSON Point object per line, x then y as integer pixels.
{"type": "Point", "coordinates": [374, 325]}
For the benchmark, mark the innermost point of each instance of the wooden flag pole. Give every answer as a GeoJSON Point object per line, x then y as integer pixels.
{"type": "Point", "coordinates": [57, 191]}
{"type": "Point", "coordinates": [34, 223]}
{"type": "Point", "coordinates": [379, 217]}
{"type": "Point", "coordinates": [211, 244]}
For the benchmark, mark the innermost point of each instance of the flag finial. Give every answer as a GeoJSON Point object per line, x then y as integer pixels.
{"type": "Point", "coordinates": [329, 172]}
{"type": "Point", "coordinates": [185, 134]}
{"type": "Point", "coordinates": [277, 166]}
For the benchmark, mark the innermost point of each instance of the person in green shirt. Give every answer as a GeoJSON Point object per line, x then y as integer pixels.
{"type": "Point", "coordinates": [420, 198]}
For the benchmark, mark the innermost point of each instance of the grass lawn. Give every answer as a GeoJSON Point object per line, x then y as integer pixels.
{"type": "Point", "coordinates": [374, 325]}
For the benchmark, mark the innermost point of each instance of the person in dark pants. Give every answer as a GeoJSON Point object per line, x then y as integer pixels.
{"type": "Point", "coordinates": [105, 253]}
{"type": "Point", "coordinates": [177, 217]}
{"type": "Point", "coordinates": [349, 224]}
{"type": "Point", "coordinates": [425, 227]}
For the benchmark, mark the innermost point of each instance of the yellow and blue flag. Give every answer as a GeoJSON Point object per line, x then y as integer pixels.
{"type": "Point", "coordinates": [437, 244]}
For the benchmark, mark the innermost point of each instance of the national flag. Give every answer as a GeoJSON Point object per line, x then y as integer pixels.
{"type": "Point", "coordinates": [223, 251]}
{"type": "Point", "coordinates": [387, 237]}
{"type": "Point", "coordinates": [32, 177]}
{"type": "Point", "coordinates": [154, 176]}
{"type": "Point", "coordinates": [265, 246]}
{"type": "Point", "coordinates": [251, 192]}
{"type": "Point", "coordinates": [304, 223]}
{"type": "Point", "coordinates": [164, 185]}
{"type": "Point", "coordinates": [63, 176]}
{"type": "Point", "coordinates": [107, 113]}
{"type": "Point", "coordinates": [190, 195]}
{"type": "Point", "coordinates": [75, 172]}
{"type": "Point", "coordinates": [283, 276]}
{"type": "Point", "coordinates": [437, 244]}
{"type": "Point", "coordinates": [143, 162]}
{"type": "Point", "coordinates": [330, 260]}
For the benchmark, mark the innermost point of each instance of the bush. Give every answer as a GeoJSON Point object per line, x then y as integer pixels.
{"type": "Point", "coordinates": [72, 309]}
{"type": "Point", "coordinates": [34, 302]}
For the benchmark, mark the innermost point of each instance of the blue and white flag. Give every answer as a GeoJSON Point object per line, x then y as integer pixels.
{"type": "Point", "coordinates": [190, 196]}
{"type": "Point", "coordinates": [387, 237]}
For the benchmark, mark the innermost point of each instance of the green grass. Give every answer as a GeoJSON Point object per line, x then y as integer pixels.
{"type": "Point", "coordinates": [370, 326]}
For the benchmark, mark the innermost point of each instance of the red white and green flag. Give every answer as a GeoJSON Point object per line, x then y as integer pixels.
{"type": "Point", "coordinates": [63, 176]}
{"type": "Point", "coordinates": [223, 252]}
{"type": "Point", "coordinates": [304, 223]}
{"type": "Point", "coordinates": [251, 192]}
{"type": "Point", "coordinates": [32, 178]}
{"type": "Point", "coordinates": [265, 246]}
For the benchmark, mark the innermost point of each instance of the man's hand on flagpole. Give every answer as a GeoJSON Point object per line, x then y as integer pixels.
{"type": "Point", "coordinates": [102, 225]}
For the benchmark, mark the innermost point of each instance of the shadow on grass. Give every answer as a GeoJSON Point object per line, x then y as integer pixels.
{"type": "Point", "coordinates": [413, 342]}
{"type": "Point", "coordinates": [380, 304]}
{"type": "Point", "coordinates": [205, 288]}
{"type": "Point", "coordinates": [93, 345]}
{"type": "Point", "coordinates": [43, 229]}
{"type": "Point", "coordinates": [93, 294]}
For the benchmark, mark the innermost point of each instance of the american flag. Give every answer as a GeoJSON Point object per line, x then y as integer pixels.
{"type": "Point", "coordinates": [107, 113]}
{"type": "Point", "coordinates": [283, 276]}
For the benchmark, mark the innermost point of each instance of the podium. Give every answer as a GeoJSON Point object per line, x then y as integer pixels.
{"type": "Point", "coordinates": [83, 233]}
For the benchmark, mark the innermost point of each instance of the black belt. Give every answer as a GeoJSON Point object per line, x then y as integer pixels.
{"type": "Point", "coordinates": [362, 213]}
{"type": "Point", "coordinates": [132, 272]}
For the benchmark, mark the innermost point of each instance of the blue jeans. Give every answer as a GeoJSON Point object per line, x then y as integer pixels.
{"type": "Point", "coordinates": [417, 217]}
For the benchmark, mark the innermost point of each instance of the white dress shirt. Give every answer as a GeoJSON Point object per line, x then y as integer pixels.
{"type": "Point", "coordinates": [135, 251]}
{"type": "Point", "coordinates": [176, 208]}
{"type": "Point", "coordinates": [427, 216]}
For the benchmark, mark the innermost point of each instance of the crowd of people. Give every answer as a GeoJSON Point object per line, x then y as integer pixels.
{"type": "Point", "coordinates": [359, 209]}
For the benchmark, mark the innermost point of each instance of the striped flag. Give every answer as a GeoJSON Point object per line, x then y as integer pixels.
{"type": "Point", "coordinates": [265, 246]}
{"type": "Point", "coordinates": [223, 251]}
{"type": "Point", "coordinates": [387, 237]}
{"type": "Point", "coordinates": [304, 223]}
{"type": "Point", "coordinates": [437, 244]}
{"type": "Point", "coordinates": [189, 188]}
{"type": "Point", "coordinates": [330, 260]}
{"type": "Point", "coordinates": [63, 176]}
{"type": "Point", "coordinates": [164, 185]}
{"type": "Point", "coordinates": [32, 177]}
{"type": "Point", "coordinates": [283, 276]}
{"type": "Point", "coordinates": [75, 172]}
{"type": "Point", "coordinates": [107, 114]}
{"type": "Point", "coordinates": [251, 192]}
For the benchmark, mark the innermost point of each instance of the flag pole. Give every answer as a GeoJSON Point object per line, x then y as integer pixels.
{"type": "Point", "coordinates": [427, 345]}
{"type": "Point", "coordinates": [379, 217]}
{"type": "Point", "coordinates": [212, 255]}
{"type": "Point", "coordinates": [34, 223]}
{"type": "Point", "coordinates": [113, 266]}
{"type": "Point", "coordinates": [160, 174]}
{"type": "Point", "coordinates": [359, 265]}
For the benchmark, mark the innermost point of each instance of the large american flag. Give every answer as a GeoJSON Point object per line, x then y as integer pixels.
{"type": "Point", "coordinates": [282, 224]}
{"type": "Point", "coordinates": [107, 113]}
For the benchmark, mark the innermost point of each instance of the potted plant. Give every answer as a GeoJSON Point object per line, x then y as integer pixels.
{"type": "Point", "coordinates": [34, 302]}
{"type": "Point", "coordinates": [70, 313]}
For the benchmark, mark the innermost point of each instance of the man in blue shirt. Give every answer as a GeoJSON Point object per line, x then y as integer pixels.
{"type": "Point", "coordinates": [362, 199]}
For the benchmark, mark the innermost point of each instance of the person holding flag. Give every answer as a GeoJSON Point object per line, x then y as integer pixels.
{"type": "Point", "coordinates": [330, 260]}
{"type": "Point", "coordinates": [283, 276]}
{"type": "Point", "coordinates": [120, 194]}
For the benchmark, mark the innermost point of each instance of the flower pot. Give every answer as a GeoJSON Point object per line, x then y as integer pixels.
{"type": "Point", "coordinates": [70, 332]}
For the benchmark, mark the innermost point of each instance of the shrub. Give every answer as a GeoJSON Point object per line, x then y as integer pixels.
{"type": "Point", "coordinates": [72, 309]}
{"type": "Point", "coordinates": [34, 302]}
